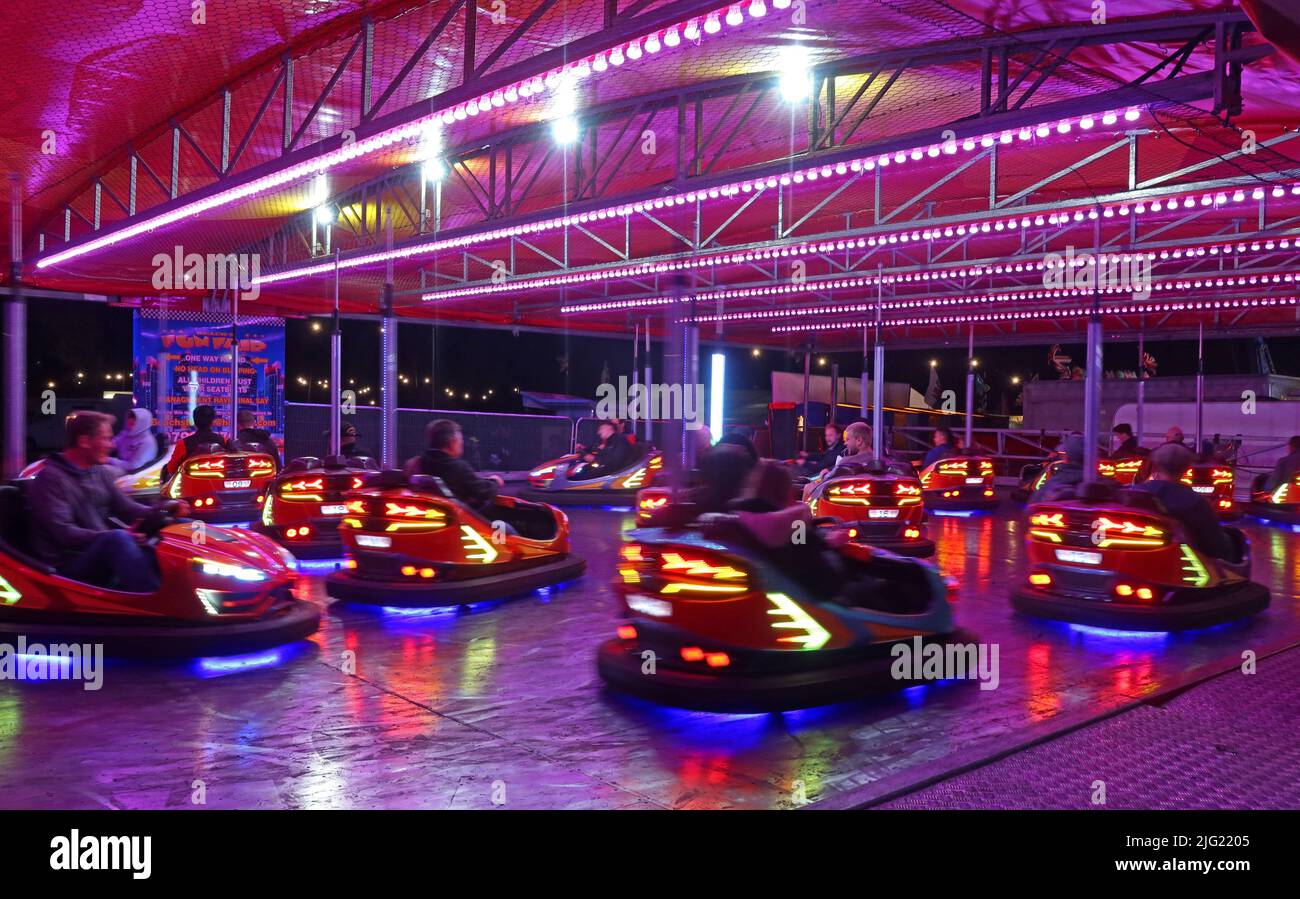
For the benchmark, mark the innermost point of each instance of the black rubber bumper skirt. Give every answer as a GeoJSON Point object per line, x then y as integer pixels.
{"type": "Point", "coordinates": [915, 549]}
{"type": "Point", "coordinates": [1217, 607]}
{"type": "Point", "coordinates": [619, 663]}
{"type": "Point", "coordinates": [580, 497]}
{"type": "Point", "coordinates": [1277, 514]}
{"type": "Point", "coordinates": [329, 546]}
{"type": "Point", "coordinates": [419, 593]}
{"type": "Point", "coordinates": [228, 514]}
{"type": "Point", "coordinates": [963, 504]}
{"type": "Point", "coordinates": [289, 622]}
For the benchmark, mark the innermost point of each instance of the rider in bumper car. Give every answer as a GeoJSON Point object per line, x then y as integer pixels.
{"type": "Point", "coordinates": [250, 437]}
{"type": "Point", "coordinates": [1065, 477]}
{"type": "Point", "coordinates": [1167, 466]}
{"type": "Point", "coordinates": [857, 449]}
{"type": "Point", "coordinates": [75, 503]}
{"type": "Point", "coordinates": [194, 444]}
{"type": "Point", "coordinates": [1286, 468]}
{"type": "Point", "coordinates": [443, 460]}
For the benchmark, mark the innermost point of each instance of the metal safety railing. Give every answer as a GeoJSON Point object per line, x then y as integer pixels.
{"type": "Point", "coordinates": [494, 441]}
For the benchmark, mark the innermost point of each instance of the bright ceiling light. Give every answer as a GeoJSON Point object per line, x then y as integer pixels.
{"type": "Point", "coordinates": [796, 77]}
{"type": "Point", "coordinates": [564, 127]}
{"type": "Point", "coordinates": [324, 214]}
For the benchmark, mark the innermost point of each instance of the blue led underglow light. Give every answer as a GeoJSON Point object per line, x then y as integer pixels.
{"type": "Point", "coordinates": [949, 513]}
{"type": "Point", "coordinates": [417, 611]}
{"type": "Point", "coordinates": [319, 564]}
{"type": "Point", "coordinates": [1091, 631]}
{"type": "Point", "coordinates": [218, 665]}
{"type": "Point", "coordinates": [615, 508]}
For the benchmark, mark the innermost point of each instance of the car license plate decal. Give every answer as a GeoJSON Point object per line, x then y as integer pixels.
{"type": "Point", "coordinates": [1200, 489]}
{"type": "Point", "coordinates": [974, 480]}
{"type": "Point", "coordinates": [235, 485]}
{"type": "Point", "coordinates": [374, 541]}
{"type": "Point", "coordinates": [882, 513]}
{"type": "Point", "coordinates": [334, 509]}
{"type": "Point", "coordinates": [1079, 556]}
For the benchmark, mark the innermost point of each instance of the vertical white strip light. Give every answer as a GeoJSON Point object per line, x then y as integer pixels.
{"type": "Point", "coordinates": [717, 387]}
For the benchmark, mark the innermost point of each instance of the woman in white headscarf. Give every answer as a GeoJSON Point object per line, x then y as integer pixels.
{"type": "Point", "coordinates": [136, 444]}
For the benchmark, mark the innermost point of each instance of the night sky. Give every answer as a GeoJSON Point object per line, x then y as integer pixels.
{"type": "Point", "coordinates": [476, 361]}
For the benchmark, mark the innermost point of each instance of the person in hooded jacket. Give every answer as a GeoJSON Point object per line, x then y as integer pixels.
{"type": "Point", "coordinates": [80, 520]}
{"type": "Point", "coordinates": [136, 444]}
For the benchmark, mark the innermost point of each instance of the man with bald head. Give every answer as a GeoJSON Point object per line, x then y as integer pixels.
{"type": "Point", "coordinates": [1168, 463]}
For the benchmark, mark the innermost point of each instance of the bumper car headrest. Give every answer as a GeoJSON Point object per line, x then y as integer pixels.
{"type": "Point", "coordinates": [335, 463]}
{"type": "Point", "coordinates": [389, 478]}
{"type": "Point", "coordinates": [1094, 492]}
{"type": "Point", "coordinates": [302, 463]}
{"type": "Point", "coordinates": [430, 484]}
{"type": "Point", "coordinates": [366, 462]}
{"type": "Point", "coordinates": [1140, 499]}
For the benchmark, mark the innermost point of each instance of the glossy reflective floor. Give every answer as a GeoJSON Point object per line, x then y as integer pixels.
{"type": "Point", "coordinates": [500, 704]}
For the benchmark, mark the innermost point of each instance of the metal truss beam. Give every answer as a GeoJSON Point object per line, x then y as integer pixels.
{"type": "Point", "coordinates": [709, 116]}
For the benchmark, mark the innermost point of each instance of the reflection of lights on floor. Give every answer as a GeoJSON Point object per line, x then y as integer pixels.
{"type": "Point", "coordinates": [615, 508]}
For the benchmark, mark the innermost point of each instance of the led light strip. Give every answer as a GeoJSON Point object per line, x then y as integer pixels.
{"type": "Point", "coordinates": [692, 30]}
{"type": "Point", "coordinates": [1027, 314]}
{"type": "Point", "coordinates": [1267, 245]}
{"type": "Point", "coordinates": [810, 173]}
{"type": "Point", "coordinates": [1121, 208]}
{"type": "Point", "coordinates": [1182, 283]}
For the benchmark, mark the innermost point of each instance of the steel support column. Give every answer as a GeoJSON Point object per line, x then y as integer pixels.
{"type": "Point", "coordinates": [1200, 385]}
{"type": "Point", "coordinates": [336, 369]}
{"type": "Point", "coordinates": [15, 343]}
{"type": "Point", "coordinates": [970, 389]}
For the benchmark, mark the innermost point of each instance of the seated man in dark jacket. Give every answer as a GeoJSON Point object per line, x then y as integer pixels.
{"type": "Point", "coordinates": [193, 444]}
{"type": "Point", "coordinates": [73, 501]}
{"type": "Point", "coordinates": [945, 446]}
{"type": "Point", "coordinates": [255, 439]}
{"type": "Point", "coordinates": [1286, 467]}
{"type": "Point", "coordinates": [443, 460]}
{"type": "Point", "coordinates": [610, 455]}
{"type": "Point", "coordinates": [1126, 445]}
{"type": "Point", "coordinates": [1168, 463]}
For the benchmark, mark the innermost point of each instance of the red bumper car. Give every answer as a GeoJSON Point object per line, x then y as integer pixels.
{"type": "Point", "coordinates": [305, 503]}
{"type": "Point", "coordinates": [1114, 558]}
{"type": "Point", "coordinates": [959, 483]}
{"type": "Point", "coordinates": [222, 487]}
{"type": "Point", "coordinates": [877, 504]}
{"type": "Point", "coordinates": [223, 592]}
{"type": "Point", "coordinates": [410, 543]}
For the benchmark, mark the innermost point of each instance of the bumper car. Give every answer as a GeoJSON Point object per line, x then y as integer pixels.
{"type": "Point", "coordinates": [959, 483]}
{"type": "Point", "coordinates": [305, 503]}
{"type": "Point", "coordinates": [568, 481]}
{"type": "Point", "coordinates": [1124, 472]}
{"type": "Point", "coordinates": [718, 621]}
{"type": "Point", "coordinates": [1215, 481]}
{"type": "Point", "coordinates": [222, 487]}
{"type": "Point", "coordinates": [228, 593]}
{"type": "Point", "coordinates": [1113, 558]}
{"type": "Point", "coordinates": [1281, 504]}
{"type": "Point", "coordinates": [410, 543]}
{"type": "Point", "coordinates": [876, 504]}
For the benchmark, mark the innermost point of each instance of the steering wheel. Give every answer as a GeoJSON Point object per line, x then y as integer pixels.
{"type": "Point", "coordinates": [151, 525]}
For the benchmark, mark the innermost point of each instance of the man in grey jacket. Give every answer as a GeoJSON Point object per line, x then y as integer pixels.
{"type": "Point", "coordinates": [73, 501]}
